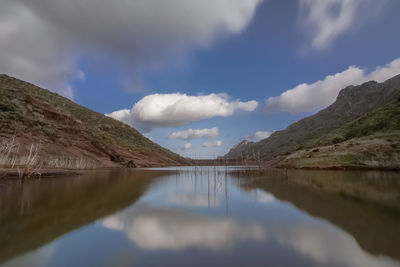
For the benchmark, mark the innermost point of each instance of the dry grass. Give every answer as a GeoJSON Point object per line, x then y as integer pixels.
{"type": "Point", "coordinates": [27, 165]}
{"type": "Point", "coordinates": [31, 163]}
{"type": "Point", "coordinates": [71, 163]}
{"type": "Point", "coordinates": [8, 150]}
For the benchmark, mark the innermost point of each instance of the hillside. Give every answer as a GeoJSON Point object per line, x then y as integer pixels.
{"type": "Point", "coordinates": [61, 133]}
{"type": "Point", "coordinates": [240, 149]}
{"type": "Point", "coordinates": [373, 141]}
{"type": "Point", "coordinates": [361, 128]}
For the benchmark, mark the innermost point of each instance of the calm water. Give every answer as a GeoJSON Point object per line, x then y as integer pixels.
{"type": "Point", "coordinates": [202, 218]}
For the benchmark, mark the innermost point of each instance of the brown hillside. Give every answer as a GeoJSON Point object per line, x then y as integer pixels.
{"type": "Point", "coordinates": [66, 134]}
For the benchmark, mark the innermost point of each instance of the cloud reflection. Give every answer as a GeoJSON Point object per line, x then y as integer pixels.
{"type": "Point", "coordinates": [326, 244]}
{"type": "Point", "coordinates": [152, 229]}
{"type": "Point", "coordinates": [264, 197]}
{"type": "Point", "coordinates": [38, 257]}
{"type": "Point", "coordinates": [192, 200]}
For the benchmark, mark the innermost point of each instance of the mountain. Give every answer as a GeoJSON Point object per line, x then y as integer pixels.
{"type": "Point", "coordinates": [61, 133]}
{"type": "Point", "coordinates": [239, 149]}
{"type": "Point", "coordinates": [364, 119]}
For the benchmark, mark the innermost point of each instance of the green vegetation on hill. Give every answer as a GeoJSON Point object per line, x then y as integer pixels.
{"type": "Point", "coordinates": [66, 130]}
{"type": "Point", "coordinates": [361, 129]}
{"type": "Point", "coordinates": [372, 141]}
{"type": "Point", "coordinates": [385, 120]}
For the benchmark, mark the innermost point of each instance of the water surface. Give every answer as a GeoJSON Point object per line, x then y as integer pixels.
{"type": "Point", "coordinates": [202, 216]}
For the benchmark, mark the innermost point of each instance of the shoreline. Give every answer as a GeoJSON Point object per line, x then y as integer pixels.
{"type": "Point", "coordinates": [7, 173]}
{"type": "Point", "coordinates": [340, 168]}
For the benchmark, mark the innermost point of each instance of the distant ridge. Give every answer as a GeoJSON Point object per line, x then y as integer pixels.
{"type": "Point", "coordinates": [354, 104]}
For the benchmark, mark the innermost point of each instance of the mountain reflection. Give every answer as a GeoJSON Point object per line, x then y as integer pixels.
{"type": "Point", "coordinates": [203, 218]}
{"type": "Point", "coordinates": [35, 212]}
{"type": "Point", "coordinates": [364, 204]}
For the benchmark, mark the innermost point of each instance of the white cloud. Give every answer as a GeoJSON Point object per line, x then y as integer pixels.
{"type": "Point", "coordinates": [194, 133]}
{"type": "Point", "coordinates": [381, 74]}
{"type": "Point", "coordinates": [176, 230]}
{"type": "Point", "coordinates": [309, 97]}
{"type": "Point", "coordinates": [186, 146]}
{"type": "Point", "coordinates": [40, 40]}
{"type": "Point", "coordinates": [212, 144]}
{"type": "Point", "coordinates": [29, 51]}
{"type": "Point", "coordinates": [257, 136]}
{"type": "Point", "coordinates": [165, 110]}
{"type": "Point", "coordinates": [328, 19]}
{"type": "Point", "coordinates": [123, 115]}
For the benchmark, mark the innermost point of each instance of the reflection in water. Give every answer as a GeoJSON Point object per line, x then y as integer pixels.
{"type": "Point", "coordinates": [34, 258]}
{"type": "Point", "coordinates": [326, 244]}
{"type": "Point", "coordinates": [170, 229]}
{"type": "Point", "coordinates": [264, 197]}
{"type": "Point", "coordinates": [365, 204]}
{"type": "Point", "coordinates": [35, 212]}
{"type": "Point", "coordinates": [150, 218]}
{"type": "Point", "coordinates": [191, 200]}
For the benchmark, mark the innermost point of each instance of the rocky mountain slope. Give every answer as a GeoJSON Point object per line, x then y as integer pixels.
{"type": "Point", "coordinates": [62, 133]}
{"type": "Point", "coordinates": [239, 150]}
{"type": "Point", "coordinates": [361, 128]}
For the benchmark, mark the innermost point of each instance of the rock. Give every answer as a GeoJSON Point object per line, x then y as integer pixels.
{"type": "Point", "coordinates": [116, 158]}
{"type": "Point", "coordinates": [130, 164]}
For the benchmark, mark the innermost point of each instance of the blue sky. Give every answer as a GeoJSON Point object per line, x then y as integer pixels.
{"type": "Point", "coordinates": [185, 54]}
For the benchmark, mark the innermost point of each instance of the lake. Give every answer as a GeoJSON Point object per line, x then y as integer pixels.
{"type": "Point", "coordinates": [202, 216]}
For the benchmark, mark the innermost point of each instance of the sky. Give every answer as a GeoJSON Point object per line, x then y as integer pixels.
{"type": "Point", "coordinates": [197, 77]}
